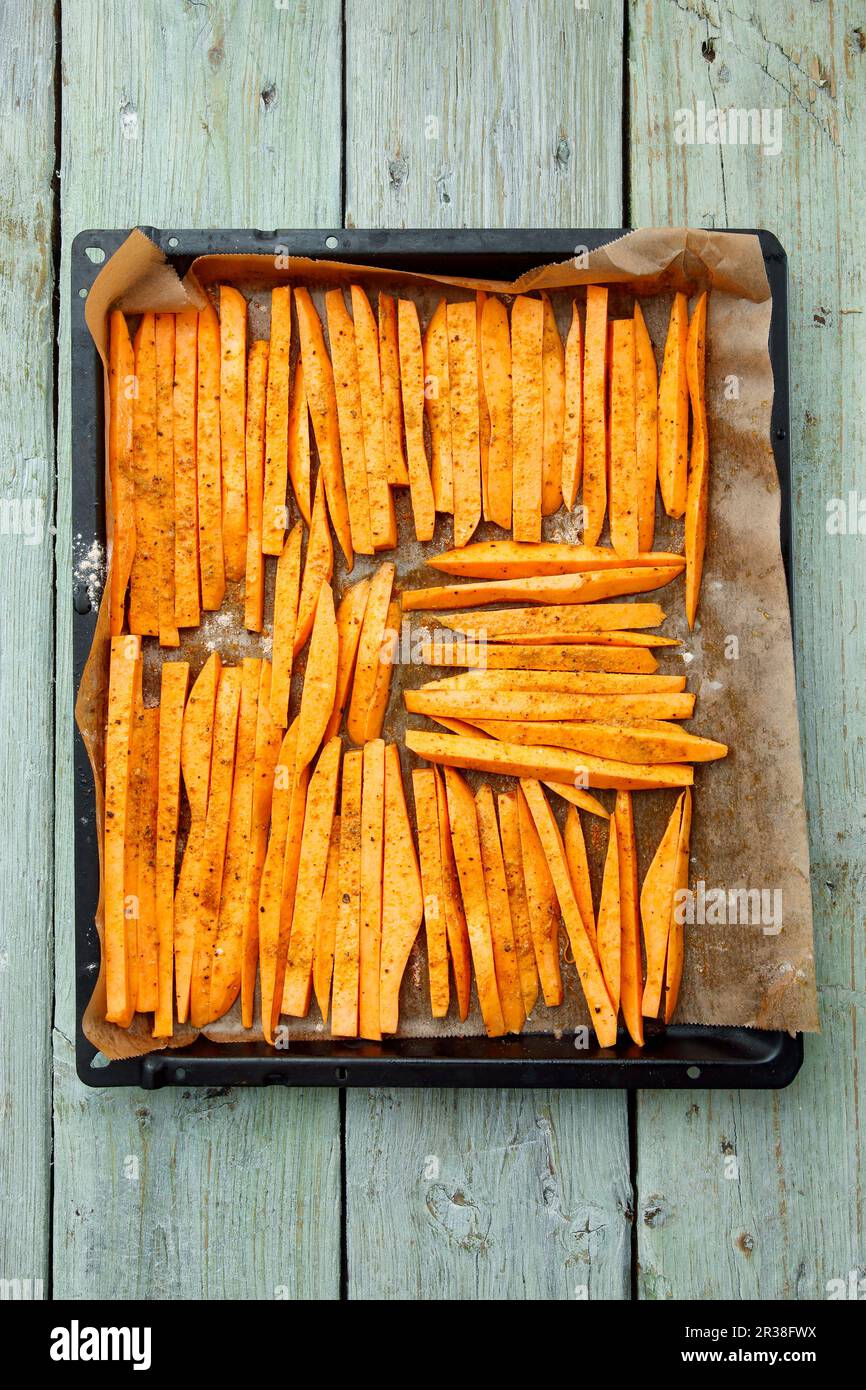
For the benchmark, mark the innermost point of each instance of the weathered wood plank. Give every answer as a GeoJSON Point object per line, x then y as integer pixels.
{"type": "Point", "coordinates": [792, 1220]}
{"type": "Point", "coordinates": [485, 115]}
{"type": "Point", "coordinates": [26, 637]}
{"type": "Point", "coordinates": [192, 115]}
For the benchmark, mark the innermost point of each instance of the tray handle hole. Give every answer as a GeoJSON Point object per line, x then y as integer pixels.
{"type": "Point", "coordinates": [693, 1073]}
{"type": "Point", "coordinates": [99, 1061]}
{"type": "Point", "coordinates": [95, 254]}
{"type": "Point", "coordinates": [173, 242]}
{"type": "Point", "coordinates": [342, 1074]}
{"type": "Point", "coordinates": [332, 243]}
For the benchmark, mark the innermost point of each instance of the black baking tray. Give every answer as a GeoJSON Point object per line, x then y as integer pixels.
{"type": "Point", "coordinates": [680, 1056]}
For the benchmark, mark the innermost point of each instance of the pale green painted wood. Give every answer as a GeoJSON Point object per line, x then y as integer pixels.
{"type": "Point", "coordinates": [26, 635]}
{"type": "Point", "coordinates": [216, 114]}
{"type": "Point", "coordinates": [491, 1194]}
{"type": "Point", "coordinates": [793, 1220]}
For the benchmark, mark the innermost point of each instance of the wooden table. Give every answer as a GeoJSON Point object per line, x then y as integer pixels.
{"type": "Point", "coordinates": [427, 113]}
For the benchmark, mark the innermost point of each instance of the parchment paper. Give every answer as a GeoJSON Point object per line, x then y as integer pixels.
{"type": "Point", "coordinates": [749, 828]}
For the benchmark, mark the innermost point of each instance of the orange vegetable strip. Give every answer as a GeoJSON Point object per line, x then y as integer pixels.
{"type": "Point", "coordinates": [402, 897]}
{"type": "Point", "coordinates": [553, 386]}
{"type": "Point", "coordinates": [320, 680]}
{"type": "Point", "coordinates": [697, 494]}
{"type": "Point", "coordinates": [122, 689]}
{"type": "Point", "coordinates": [455, 918]}
{"type": "Point", "coordinates": [673, 412]}
{"type": "Point", "coordinates": [509, 830]}
{"type": "Point", "coordinates": [467, 856]}
{"type": "Point", "coordinates": [674, 967]}
{"type": "Point", "coordinates": [164, 338]}
{"type": "Point", "coordinates": [527, 416]}
{"type": "Point", "coordinates": [144, 579]}
{"type": "Point", "coordinates": [132, 854]}
{"type": "Point", "coordinates": [427, 820]}
{"type": "Point", "coordinates": [503, 657]}
{"type": "Point", "coordinates": [195, 757]}
{"type": "Point", "coordinates": [646, 429]}
{"type": "Point", "coordinates": [578, 868]}
{"type": "Point", "coordinates": [383, 518]}
{"type": "Point", "coordinates": [483, 409]}
{"type": "Point", "coordinates": [228, 951]}
{"type": "Point", "coordinates": [632, 964]}
{"type": "Point", "coordinates": [594, 414]}
{"type": "Point", "coordinates": [344, 1001]}
{"type": "Point", "coordinates": [541, 902]}
{"type": "Point", "coordinates": [322, 402]}
{"type": "Point", "coordinates": [506, 559]}
{"type": "Point", "coordinates": [372, 832]}
{"type": "Point", "coordinates": [392, 405]}
{"type": "Point", "coordinates": [286, 607]}
{"type": "Point", "coordinates": [299, 444]}
{"type": "Point", "coordinates": [147, 984]}
{"type": "Point", "coordinates": [609, 924]}
{"type": "Point", "coordinates": [549, 705]}
{"type": "Point", "coordinates": [499, 908]}
{"type": "Point", "coordinates": [575, 682]}
{"type": "Point", "coordinates": [271, 885]}
{"type": "Point", "coordinates": [624, 493]}
{"type": "Point", "coordinates": [174, 681]}
{"type": "Point", "coordinates": [187, 595]}
{"type": "Point", "coordinates": [369, 652]}
{"type": "Point", "coordinates": [318, 567]}
{"type": "Point", "coordinates": [546, 621]}
{"type": "Point", "coordinates": [572, 434]}
{"type": "Point", "coordinates": [495, 347]}
{"type": "Point", "coordinates": [121, 388]}
{"type": "Point", "coordinates": [350, 618]}
{"type": "Point", "coordinates": [326, 924]}
{"type": "Point", "coordinates": [267, 751]}
{"type": "Point", "coordinates": [254, 589]}
{"type": "Point", "coordinates": [208, 464]}
{"type": "Point", "coordinates": [341, 332]}
{"type": "Point", "coordinates": [412, 391]}
{"type": "Point", "coordinates": [388, 653]}
{"type": "Point", "coordinates": [233, 361]}
{"type": "Point", "coordinates": [437, 407]}
{"type": "Point", "coordinates": [657, 909]}
{"type": "Point", "coordinates": [291, 865]}
{"type": "Point", "coordinates": [277, 422]}
{"type": "Point", "coordinates": [546, 588]}
{"type": "Point", "coordinates": [312, 867]}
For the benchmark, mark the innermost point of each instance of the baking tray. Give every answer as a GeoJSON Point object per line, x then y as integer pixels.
{"type": "Point", "coordinates": [682, 1056]}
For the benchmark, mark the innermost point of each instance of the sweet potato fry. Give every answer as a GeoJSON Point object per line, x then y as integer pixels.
{"type": "Point", "coordinates": [318, 567]}
{"type": "Point", "coordinates": [591, 978]}
{"type": "Point", "coordinates": [341, 332]}
{"type": "Point", "coordinates": [320, 680]}
{"type": "Point", "coordinates": [572, 435]}
{"type": "Point", "coordinates": [499, 907]}
{"type": "Point", "coordinates": [548, 705]}
{"type": "Point", "coordinates": [657, 908]}
{"type": "Point", "coordinates": [547, 764]}
{"type": "Point", "coordinates": [553, 387]}
{"type": "Point", "coordinates": [503, 657]}
{"type": "Point", "coordinates": [402, 896]}
{"type": "Point", "coordinates": [565, 637]}
{"type": "Point", "coordinates": [124, 675]}
{"type": "Point", "coordinates": [228, 950]}
{"type": "Point", "coordinates": [164, 336]}
{"type": "Point", "coordinates": [629, 743]}
{"type": "Point", "coordinates": [144, 579]}
{"type": "Point", "coordinates": [254, 588]}
{"type": "Point", "coordinates": [557, 588]}
{"type": "Point", "coordinates": [536, 623]}
{"type": "Point", "coordinates": [289, 891]}
{"type": "Point", "coordinates": [233, 361]}
{"type": "Point", "coordinates": [383, 518]}
{"type": "Point", "coordinates": [187, 596]}
{"type": "Point", "coordinates": [674, 965]}
{"type": "Point", "coordinates": [369, 652]}
{"type": "Point", "coordinates": [575, 797]}
{"type": "Point", "coordinates": [271, 884]}
{"type": "Point", "coordinates": [427, 820]}
{"type": "Point", "coordinates": [609, 926]}
{"type": "Point", "coordinates": [286, 614]}
{"type": "Point", "coordinates": [174, 681]}
{"type": "Point", "coordinates": [624, 491]}
{"type": "Point", "coordinates": [267, 751]}
{"type": "Point", "coordinates": [463, 823]}
{"type": "Point", "coordinates": [210, 869]}
{"type": "Point", "coordinates": [322, 402]}
{"type": "Point", "coordinates": [509, 831]}
{"type": "Point", "coordinates": [372, 847]}
{"type": "Point", "coordinates": [312, 866]}
{"type": "Point", "coordinates": [392, 405]}
{"type": "Point", "coordinates": [595, 448]}
{"type": "Point", "coordinates": [516, 560]}
{"type": "Point", "coordinates": [646, 388]}
{"type": "Point", "coordinates": [344, 1004]}
{"type": "Point", "coordinates": [631, 965]}
{"type": "Point", "coordinates": [541, 904]}
{"type": "Point", "coordinates": [455, 918]}
{"type": "Point", "coordinates": [413, 394]}
{"type": "Point", "coordinates": [673, 412]}
{"type": "Point", "coordinates": [461, 322]}
{"type": "Point", "coordinates": [697, 493]}
{"type": "Point", "coordinates": [299, 445]}
{"type": "Point", "coordinates": [527, 416]}
{"type": "Point", "coordinates": [147, 970]}
{"type": "Point", "coordinates": [350, 617]}
{"type": "Point", "coordinates": [568, 682]}
{"type": "Point", "coordinates": [388, 654]}
{"type": "Point", "coordinates": [326, 925]}
{"type": "Point", "coordinates": [195, 756]}
{"type": "Point", "coordinates": [274, 510]}
{"type": "Point", "coordinates": [437, 407]}
{"type": "Point", "coordinates": [483, 410]}
{"type": "Point", "coordinates": [578, 868]}
{"type": "Point", "coordinates": [495, 342]}
{"type": "Point", "coordinates": [208, 465]}
{"type": "Point", "coordinates": [121, 379]}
